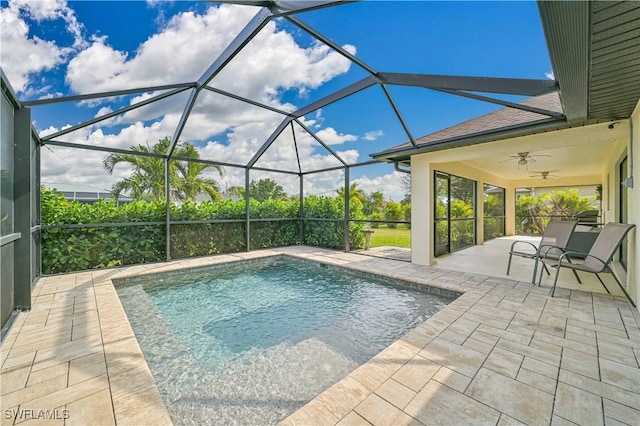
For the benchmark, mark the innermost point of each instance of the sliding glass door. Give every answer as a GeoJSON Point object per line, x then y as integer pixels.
{"type": "Point", "coordinates": [494, 212]}
{"type": "Point", "coordinates": [454, 216]}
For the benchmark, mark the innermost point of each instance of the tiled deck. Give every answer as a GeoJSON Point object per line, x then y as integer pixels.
{"type": "Point", "coordinates": [502, 353]}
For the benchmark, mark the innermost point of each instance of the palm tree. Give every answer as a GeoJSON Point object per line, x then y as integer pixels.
{"type": "Point", "coordinates": [147, 180]}
{"type": "Point", "coordinates": [354, 192]}
{"type": "Point", "coordinates": [189, 182]}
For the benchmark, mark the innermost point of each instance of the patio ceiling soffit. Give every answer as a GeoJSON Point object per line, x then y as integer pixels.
{"type": "Point", "coordinates": [566, 27]}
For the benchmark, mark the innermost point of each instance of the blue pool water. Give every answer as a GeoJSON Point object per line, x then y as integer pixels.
{"type": "Point", "coordinates": [250, 343]}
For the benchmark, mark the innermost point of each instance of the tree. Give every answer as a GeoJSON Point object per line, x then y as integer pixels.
{"type": "Point", "coordinates": [355, 193]}
{"type": "Point", "coordinates": [373, 203]}
{"type": "Point", "coordinates": [147, 180]}
{"type": "Point", "coordinates": [406, 185]}
{"type": "Point", "coordinates": [266, 189]}
{"type": "Point", "coordinates": [534, 212]}
{"type": "Point", "coordinates": [235, 192]}
{"type": "Point", "coordinates": [190, 183]}
{"type": "Point", "coordinates": [393, 212]}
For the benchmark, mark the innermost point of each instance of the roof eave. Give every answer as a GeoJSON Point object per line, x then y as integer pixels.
{"type": "Point", "coordinates": [540, 126]}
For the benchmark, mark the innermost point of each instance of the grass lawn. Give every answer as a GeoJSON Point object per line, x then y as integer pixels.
{"type": "Point", "coordinates": [399, 237]}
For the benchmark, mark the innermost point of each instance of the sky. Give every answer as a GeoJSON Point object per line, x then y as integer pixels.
{"type": "Point", "coordinates": [50, 49]}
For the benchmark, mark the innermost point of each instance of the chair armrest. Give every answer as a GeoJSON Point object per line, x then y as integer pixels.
{"type": "Point", "coordinates": [535, 248]}
{"type": "Point", "coordinates": [583, 255]}
{"type": "Point", "coordinates": [549, 247]}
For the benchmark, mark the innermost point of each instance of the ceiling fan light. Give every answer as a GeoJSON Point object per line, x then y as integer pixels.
{"type": "Point", "coordinates": [522, 162]}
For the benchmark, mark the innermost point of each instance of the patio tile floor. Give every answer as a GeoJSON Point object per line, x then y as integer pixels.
{"type": "Point", "coordinates": [502, 353]}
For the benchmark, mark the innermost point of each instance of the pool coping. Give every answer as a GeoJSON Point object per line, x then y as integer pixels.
{"type": "Point", "coordinates": [513, 320]}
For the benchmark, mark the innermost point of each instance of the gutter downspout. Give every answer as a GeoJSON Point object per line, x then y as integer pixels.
{"type": "Point", "coordinates": [396, 166]}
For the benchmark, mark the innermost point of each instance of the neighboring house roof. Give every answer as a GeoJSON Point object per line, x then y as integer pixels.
{"type": "Point", "coordinates": [82, 192]}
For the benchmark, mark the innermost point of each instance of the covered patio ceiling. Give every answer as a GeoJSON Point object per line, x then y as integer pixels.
{"type": "Point", "coordinates": [576, 155]}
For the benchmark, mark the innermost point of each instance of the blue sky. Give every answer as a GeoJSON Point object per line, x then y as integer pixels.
{"type": "Point", "coordinates": [58, 48]}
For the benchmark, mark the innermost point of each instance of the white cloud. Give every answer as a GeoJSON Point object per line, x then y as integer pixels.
{"type": "Point", "coordinates": [373, 135]}
{"type": "Point", "coordinates": [243, 142]}
{"type": "Point", "coordinates": [272, 63]}
{"type": "Point", "coordinates": [188, 45]}
{"type": "Point", "coordinates": [103, 111]}
{"type": "Point", "coordinates": [550, 75]}
{"type": "Point", "coordinates": [23, 56]}
{"type": "Point", "coordinates": [231, 131]}
{"type": "Point", "coordinates": [390, 185]}
{"type": "Point", "coordinates": [330, 136]}
{"type": "Point", "coordinates": [158, 3]}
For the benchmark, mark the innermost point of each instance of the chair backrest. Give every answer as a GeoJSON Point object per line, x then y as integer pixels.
{"type": "Point", "coordinates": [558, 232]}
{"type": "Point", "coordinates": [606, 244]}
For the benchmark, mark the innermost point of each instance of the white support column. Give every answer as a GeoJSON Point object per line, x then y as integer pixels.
{"type": "Point", "coordinates": [480, 212]}
{"type": "Point", "coordinates": [422, 190]}
{"type": "Point", "coordinates": [510, 210]}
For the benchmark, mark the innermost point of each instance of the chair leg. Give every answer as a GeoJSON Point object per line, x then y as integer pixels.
{"type": "Point", "coordinates": [509, 263]}
{"type": "Point", "coordinates": [535, 270]}
{"type": "Point", "coordinates": [602, 282]}
{"type": "Point", "coordinates": [577, 277]}
{"type": "Point", "coordinates": [575, 273]}
{"type": "Point", "coordinates": [555, 280]}
{"type": "Point", "coordinates": [541, 274]}
{"type": "Point", "coordinates": [546, 269]}
{"type": "Point", "coordinates": [622, 288]}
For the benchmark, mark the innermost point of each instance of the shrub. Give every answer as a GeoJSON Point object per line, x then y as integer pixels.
{"type": "Point", "coordinates": [275, 223]}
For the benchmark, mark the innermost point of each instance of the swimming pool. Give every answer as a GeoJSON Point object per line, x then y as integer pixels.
{"type": "Point", "coordinates": [253, 341]}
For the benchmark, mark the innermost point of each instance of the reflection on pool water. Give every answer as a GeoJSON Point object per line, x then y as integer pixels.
{"type": "Point", "coordinates": [251, 342]}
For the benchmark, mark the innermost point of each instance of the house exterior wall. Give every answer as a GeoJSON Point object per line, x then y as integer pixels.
{"type": "Point", "coordinates": [422, 184]}
{"type": "Point", "coordinates": [611, 197]}
{"type": "Point", "coordinates": [422, 200]}
{"type": "Point", "coordinates": [422, 252]}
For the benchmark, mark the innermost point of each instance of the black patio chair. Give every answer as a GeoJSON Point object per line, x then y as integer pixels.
{"type": "Point", "coordinates": [598, 259]}
{"type": "Point", "coordinates": [553, 243]}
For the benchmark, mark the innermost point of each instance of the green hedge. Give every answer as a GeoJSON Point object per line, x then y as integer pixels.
{"type": "Point", "coordinates": [74, 249]}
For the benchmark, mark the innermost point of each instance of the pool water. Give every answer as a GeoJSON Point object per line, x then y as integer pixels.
{"type": "Point", "coordinates": [251, 342]}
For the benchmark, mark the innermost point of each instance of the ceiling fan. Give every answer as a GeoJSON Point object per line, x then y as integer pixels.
{"type": "Point", "coordinates": [524, 158]}
{"type": "Point", "coordinates": [545, 175]}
